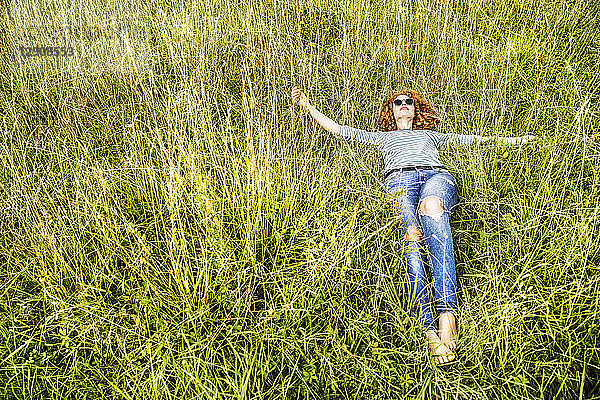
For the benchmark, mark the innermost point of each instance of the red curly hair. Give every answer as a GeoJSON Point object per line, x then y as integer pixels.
{"type": "Point", "coordinates": [425, 115]}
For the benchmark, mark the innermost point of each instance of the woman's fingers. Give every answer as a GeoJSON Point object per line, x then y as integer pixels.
{"type": "Point", "coordinates": [524, 139]}
{"type": "Point", "coordinates": [529, 138]}
{"type": "Point", "coordinates": [298, 97]}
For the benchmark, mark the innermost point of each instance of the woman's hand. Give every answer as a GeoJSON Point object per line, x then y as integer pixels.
{"type": "Point", "coordinates": [327, 123]}
{"type": "Point", "coordinates": [299, 98]}
{"type": "Point", "coordinates": [527, 138]}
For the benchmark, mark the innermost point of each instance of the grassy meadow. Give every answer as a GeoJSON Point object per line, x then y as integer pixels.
{"type": "Point", "coordinates": [173, 227]}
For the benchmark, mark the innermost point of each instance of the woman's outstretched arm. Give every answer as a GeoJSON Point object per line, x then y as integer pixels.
{"type": "Point", "coordinates": [508, 140]}
{"type": "Point", "coordinates": [327, 123]}
{"type": "Point", "coordinates": [330, 125]}
{"type": "Point", "coordinates": [466, 140]}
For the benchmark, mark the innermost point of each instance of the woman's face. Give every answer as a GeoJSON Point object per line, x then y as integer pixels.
{"type": "Point", "coordinates": [403, 110]}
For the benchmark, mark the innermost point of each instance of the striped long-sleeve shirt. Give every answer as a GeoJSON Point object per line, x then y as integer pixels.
{"type": "Point", "coordinates": [407, 147]}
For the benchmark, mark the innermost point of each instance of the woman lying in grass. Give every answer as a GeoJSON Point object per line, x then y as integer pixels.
{"type": "Point", "coordinates": [427, 193]}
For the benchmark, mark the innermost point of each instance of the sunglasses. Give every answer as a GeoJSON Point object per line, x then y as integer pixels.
{"type": "Point", "coordinates": [408, 102]}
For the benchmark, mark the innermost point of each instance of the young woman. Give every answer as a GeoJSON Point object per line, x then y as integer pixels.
{"type": "Point", "coordinates": [426, 194]}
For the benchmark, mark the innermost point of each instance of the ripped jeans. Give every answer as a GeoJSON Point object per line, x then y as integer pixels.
{"type": "Point", "coordinates": [412, 187]}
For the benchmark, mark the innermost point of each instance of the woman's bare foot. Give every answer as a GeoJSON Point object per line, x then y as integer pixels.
{"type": "Point", "coordinates": [448, 331]}
{"type": "Point", "coordinates": [439, 352]}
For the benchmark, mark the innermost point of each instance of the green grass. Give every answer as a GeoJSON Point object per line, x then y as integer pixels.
{"type": "Point", "coordinates": [173, 227]}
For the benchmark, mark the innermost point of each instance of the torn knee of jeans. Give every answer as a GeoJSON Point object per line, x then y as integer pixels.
{"type": "Point", "coordinates": [433, 207]}
{"type": "Point", "coordinates": [413, 234]}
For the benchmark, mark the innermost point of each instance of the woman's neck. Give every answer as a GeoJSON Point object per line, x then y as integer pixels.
{"type": "Point", "coordinates": [404, 123]}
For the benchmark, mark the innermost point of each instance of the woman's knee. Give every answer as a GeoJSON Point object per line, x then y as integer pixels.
{"type": "Point", "coordinates": [413, 234]}
{"type": "Point", "coordinates": [433, 207]}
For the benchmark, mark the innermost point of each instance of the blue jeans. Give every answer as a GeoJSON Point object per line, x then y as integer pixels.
{"type": "Point", "coordinates": [411, 188]}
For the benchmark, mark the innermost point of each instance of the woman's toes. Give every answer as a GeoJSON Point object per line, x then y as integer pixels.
{"type": "Point", "coordinates": [451, 344]}
{"type": "Point", "coordinates": [445, 359]}
{"type": "Point", "coordinates": [439, 351]}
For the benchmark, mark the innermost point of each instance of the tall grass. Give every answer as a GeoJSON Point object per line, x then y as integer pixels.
{"type": "Point", "coordinates": [173, 227]}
